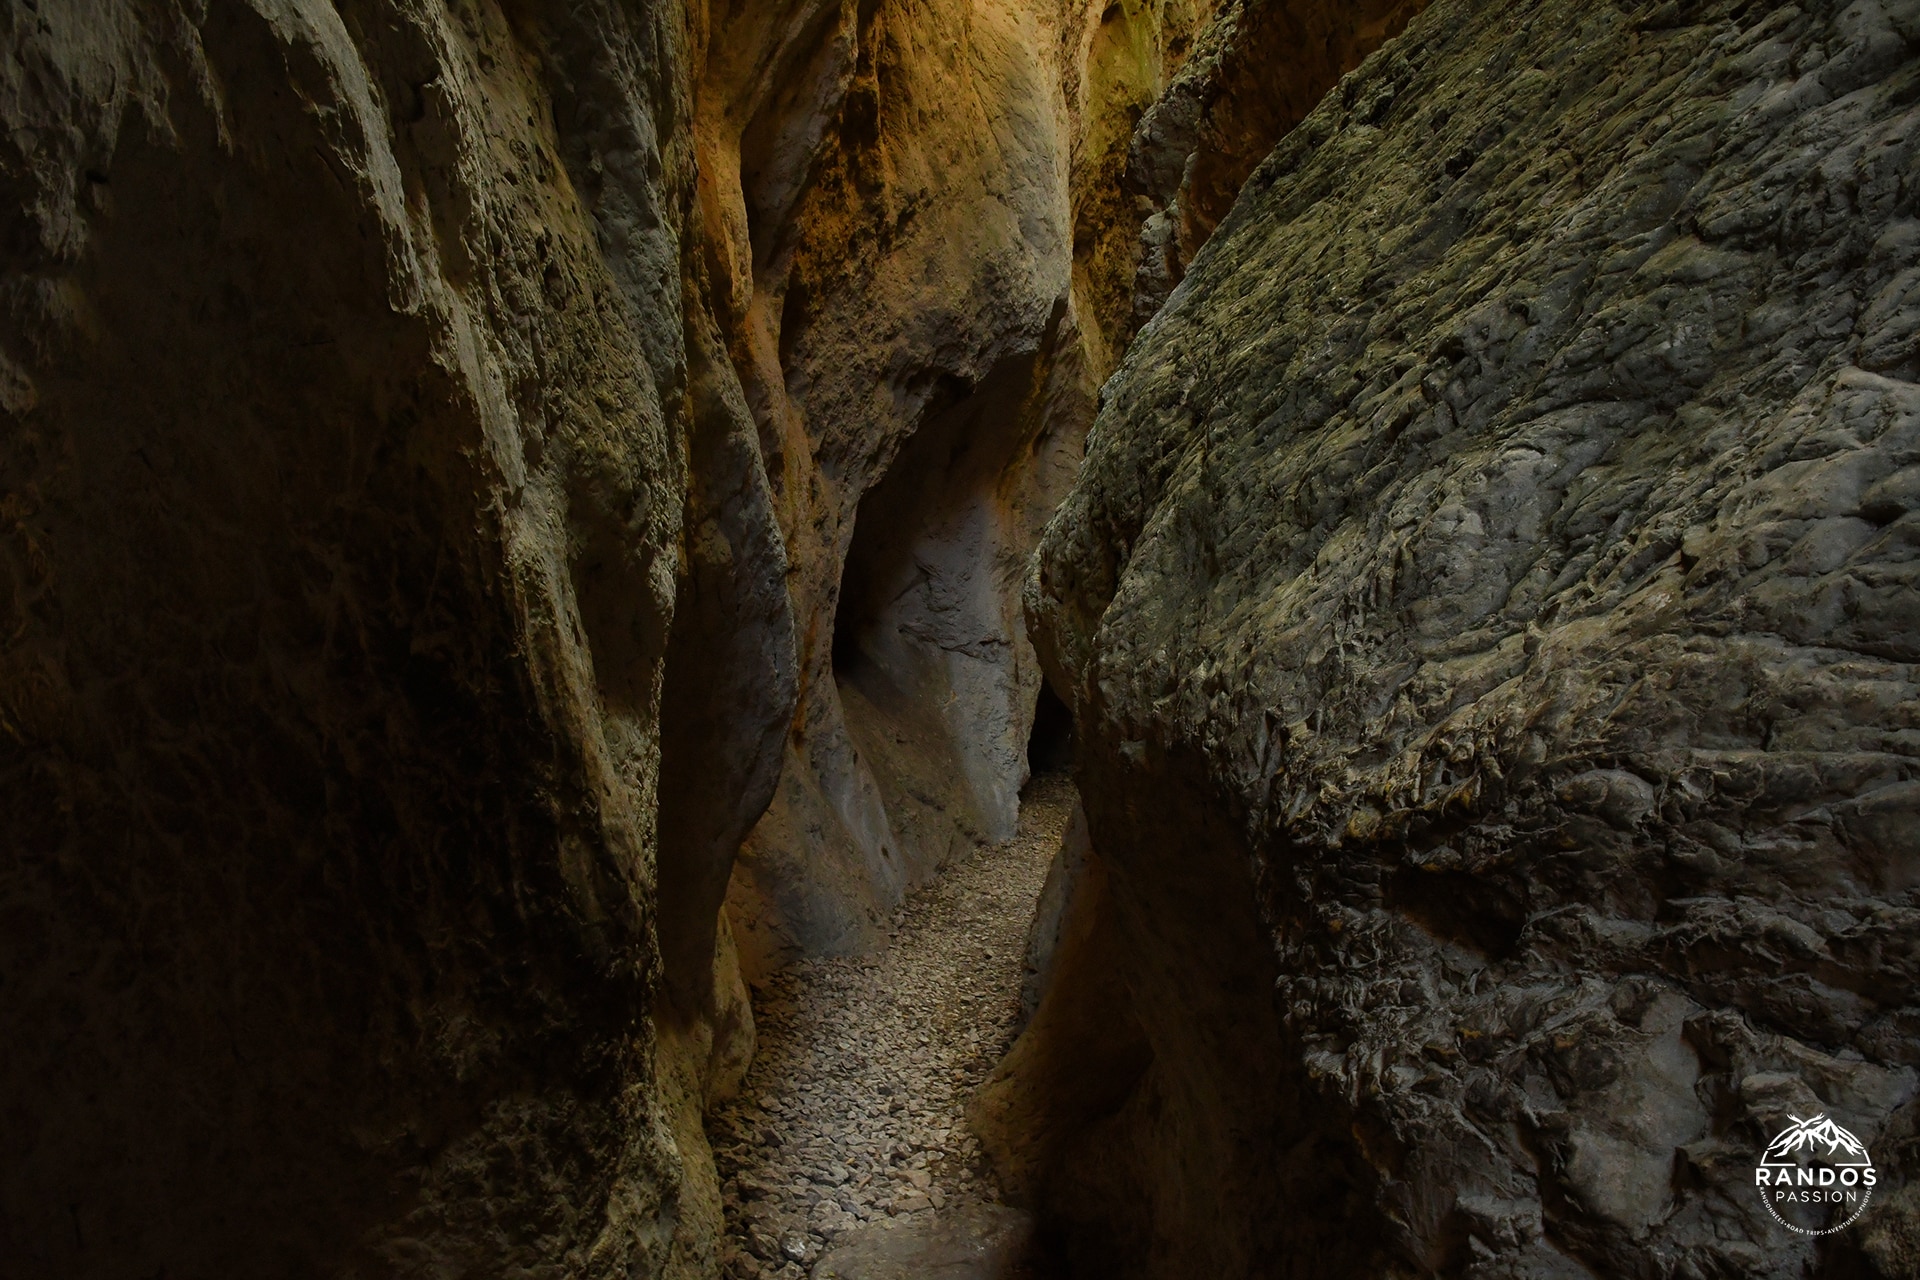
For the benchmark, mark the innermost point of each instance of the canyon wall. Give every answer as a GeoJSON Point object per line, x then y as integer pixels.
{"type": "Point", "coordinates": [1488, 606]}
{"type": "Point", "coordinates": [463, 465]}
{"type": "Point", "coordinates": [468, 469]}
{"type": "Point", "coordinates": [352, 367]}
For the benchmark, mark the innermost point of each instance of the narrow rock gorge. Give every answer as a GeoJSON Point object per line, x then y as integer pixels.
{"type": "Point", "coordinates": [532, 532]}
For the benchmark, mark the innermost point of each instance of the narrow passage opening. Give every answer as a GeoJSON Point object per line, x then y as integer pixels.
{"type": "Point", "coordinates": [1050, 744]}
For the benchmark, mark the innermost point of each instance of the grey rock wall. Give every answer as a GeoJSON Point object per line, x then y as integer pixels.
{"type": "Point", "coordinates": [1488, 604]}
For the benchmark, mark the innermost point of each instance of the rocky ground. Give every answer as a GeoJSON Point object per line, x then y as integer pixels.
{"type": "Point", "coordinates": [852, 1112]}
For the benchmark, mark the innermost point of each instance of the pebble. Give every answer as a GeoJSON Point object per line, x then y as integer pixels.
{"type": "Point", "coordinates": [854, 1109]}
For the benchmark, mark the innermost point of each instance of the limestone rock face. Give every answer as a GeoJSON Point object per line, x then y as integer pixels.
{"type": "Point", "coordinates": [925, 227]}
{"type": "Point", "coordinates": [347, 407]}
{"type": "Point", "coordinates": [890, 195]}
{"type": "Point", "coordinates": [1489, 610]}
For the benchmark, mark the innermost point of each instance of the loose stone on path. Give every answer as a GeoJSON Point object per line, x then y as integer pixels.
{"type": "Point", "coordinates": [853, 1112]}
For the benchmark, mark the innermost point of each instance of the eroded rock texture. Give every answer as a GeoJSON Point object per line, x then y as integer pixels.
{"type": "Point", "coordinates": [348, 406]}
{"type": "Point", "coordinates": [934, 228]}
{"type": "Point", "coordinates": [1489, 609]}
{"type": "Point", "coordinates": [1257, 70]}
{"type": "Point", "coordinates": [891, 193]}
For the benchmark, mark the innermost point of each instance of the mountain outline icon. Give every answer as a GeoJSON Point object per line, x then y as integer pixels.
{"type": "Point", "coordinates": [1819, 1136]}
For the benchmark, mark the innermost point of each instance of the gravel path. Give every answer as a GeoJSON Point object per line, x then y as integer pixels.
{"type": "Point", "coordinates": [853, 1110]}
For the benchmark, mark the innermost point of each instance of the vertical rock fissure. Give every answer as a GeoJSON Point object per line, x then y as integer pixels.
{"type": "Point", "coordinates": [1050, 743]}
{"type": "Point", "coordinates": [922, 369]}
{"type": "Point", "coordinates": [925, 265]}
